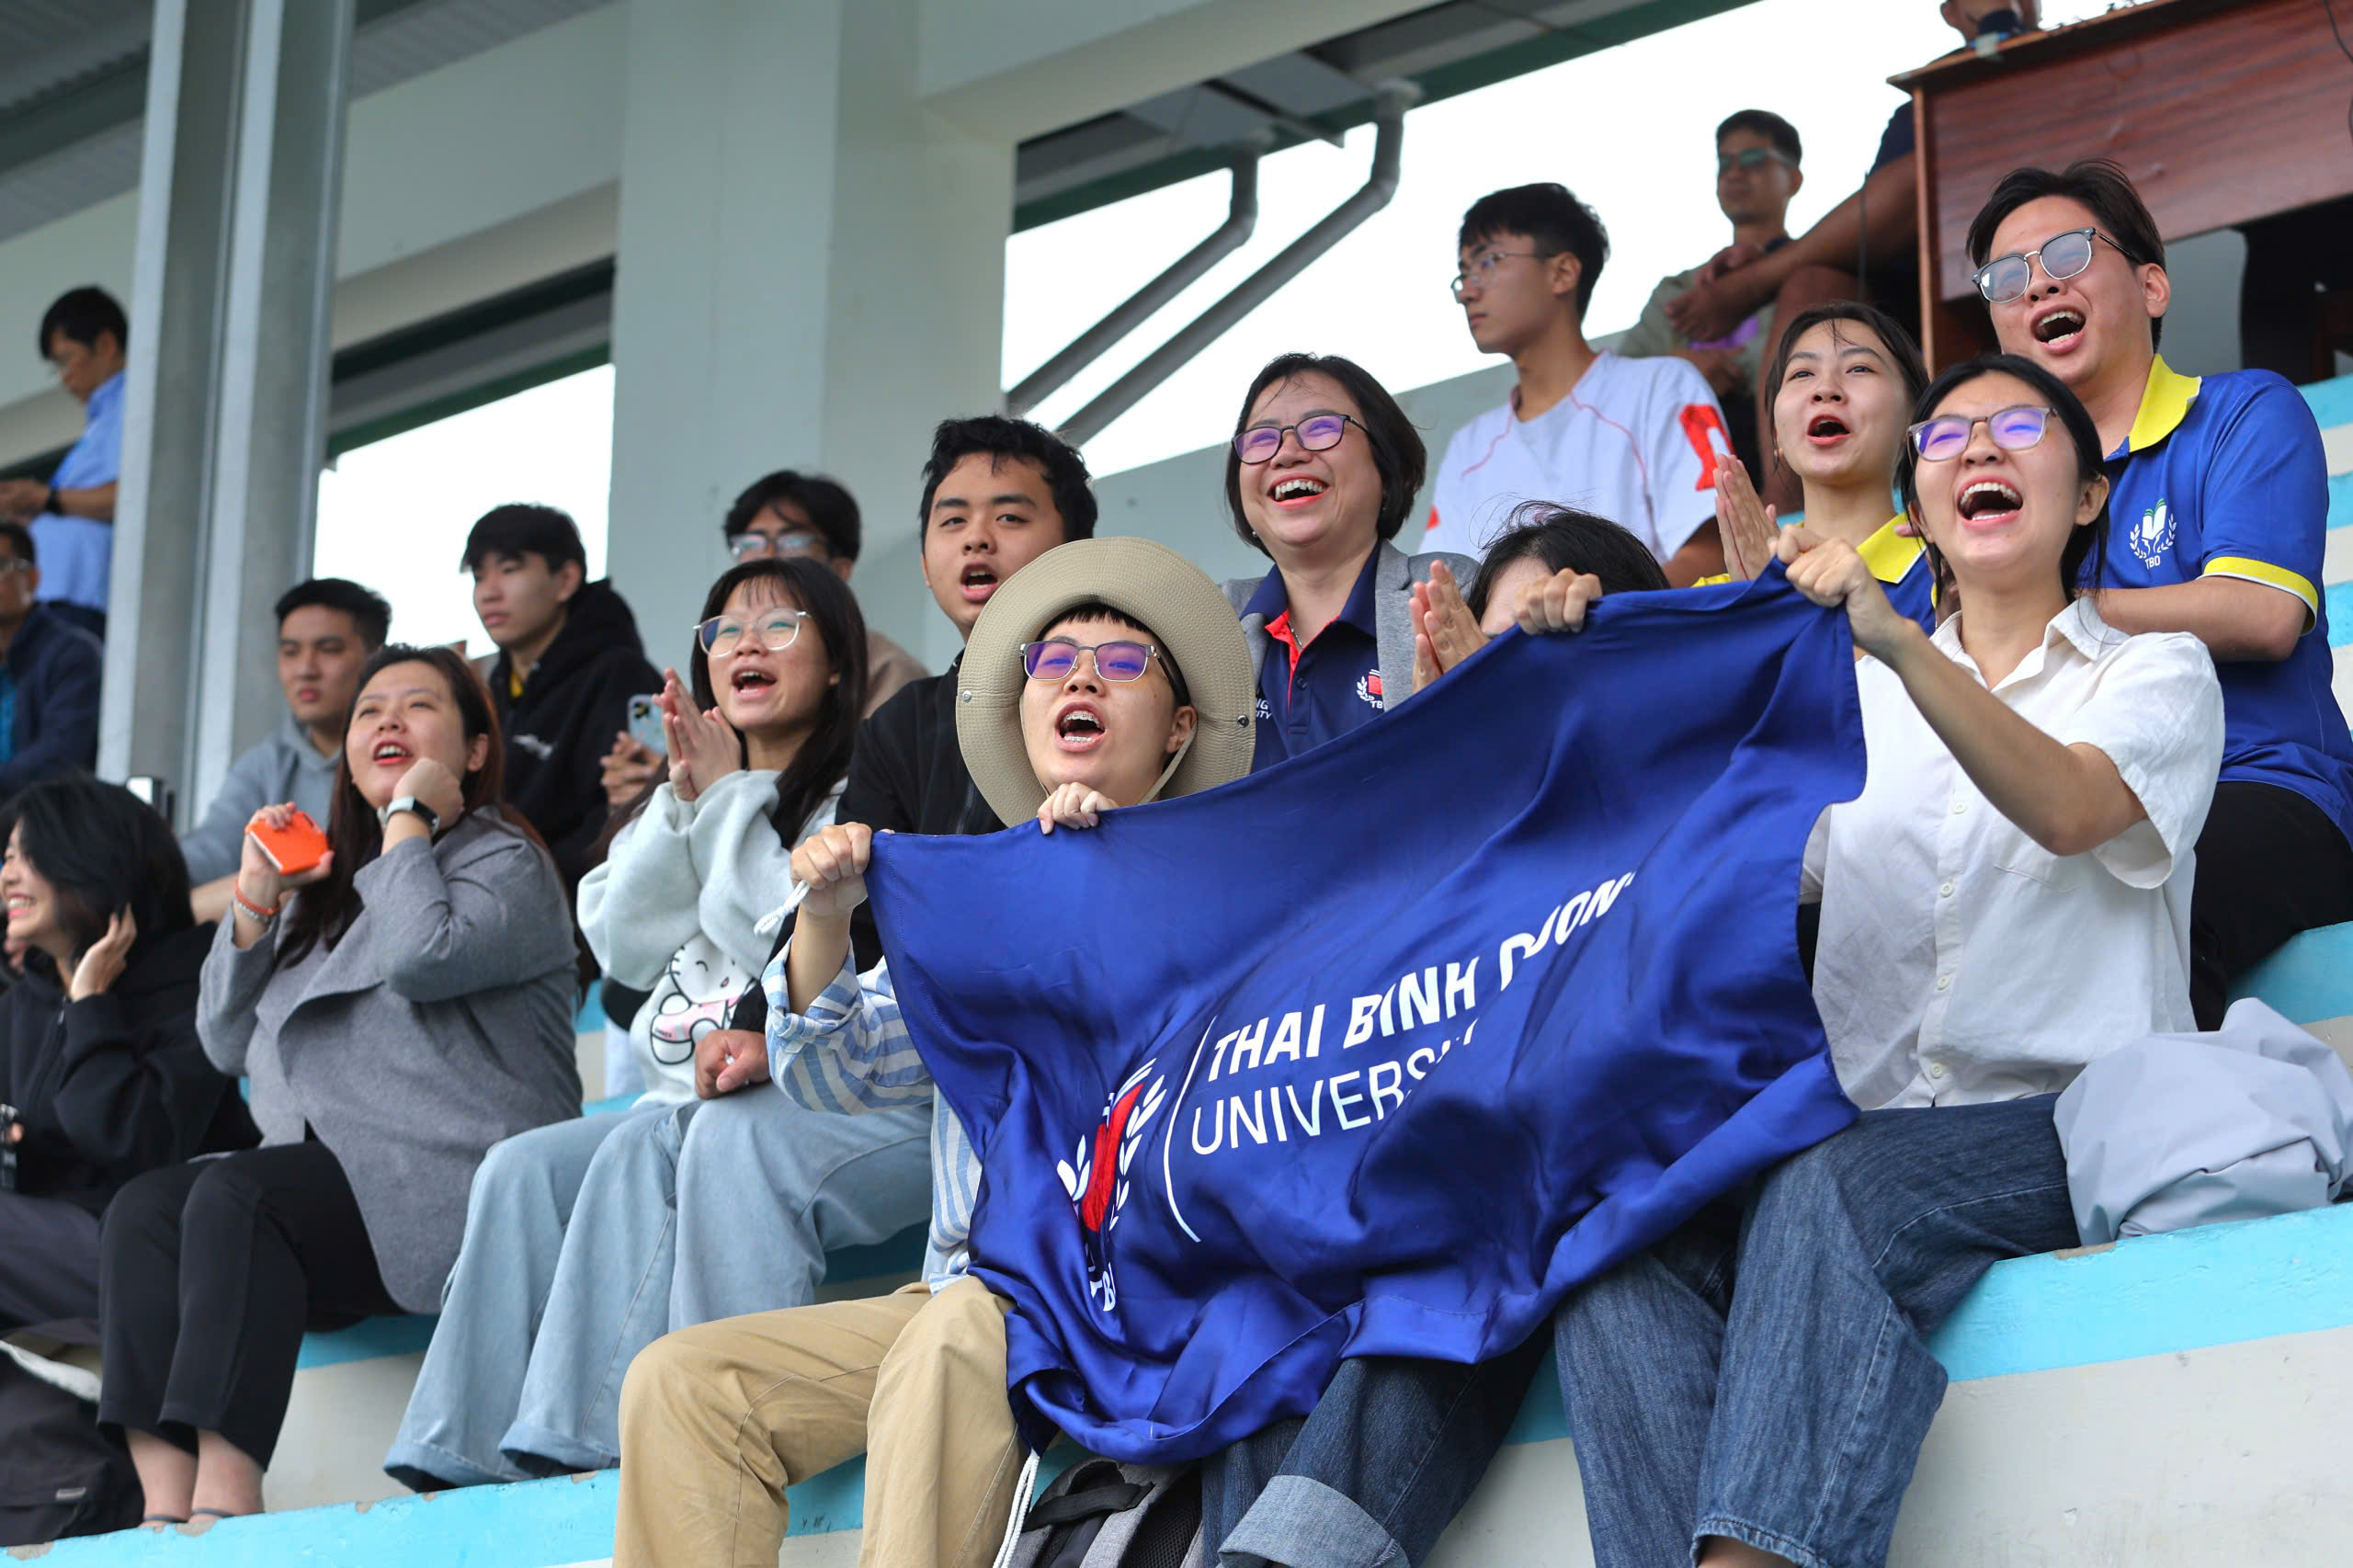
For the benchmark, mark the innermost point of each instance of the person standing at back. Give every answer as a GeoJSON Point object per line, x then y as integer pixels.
{"type": "Point", "coordinates": [569, 660]}
{"type": "Point", "coordinates": [1634, 440]}
{"type": "Point", "coordinates": [82, 336]}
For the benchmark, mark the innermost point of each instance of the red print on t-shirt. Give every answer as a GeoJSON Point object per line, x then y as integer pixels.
{"type": "Point", "coordinates": [1704, 428]}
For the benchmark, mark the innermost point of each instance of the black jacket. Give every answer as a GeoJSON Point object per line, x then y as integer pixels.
{"type": "Point", "coordinates": [117, 1084]}
{"type": "Point", "coordinates": [558, 730]}
{"type": "Point", "coordinates": [55, 665]}
{"type": "Point", "coordinates": [907, 774]}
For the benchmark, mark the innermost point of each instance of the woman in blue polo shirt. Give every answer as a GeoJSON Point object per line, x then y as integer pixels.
{"type": "Point", "coordinates": [1324, 469]}
{"type": "Point", "coordinates": [1845, 378]}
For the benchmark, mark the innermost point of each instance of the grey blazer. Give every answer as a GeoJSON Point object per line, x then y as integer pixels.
{"type": "Point", "coordinates": [438, 1025]}
{"type": "Point", "coordinates": [1393, 575]}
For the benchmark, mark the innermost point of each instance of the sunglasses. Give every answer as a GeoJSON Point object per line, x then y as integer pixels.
{"type": "Point", "coordinates": [2007, 277]}
{"type": "Point", "coordinates": [1752, 158]}
{"type": "Point", "coordinates": [1947, 435]}
{"type": "Point", "coordinates": [1054, 658]}
{"type": "Point", "coordinates": [1317, 433]}
{"type": "Point", "coordinates": [775, 629]}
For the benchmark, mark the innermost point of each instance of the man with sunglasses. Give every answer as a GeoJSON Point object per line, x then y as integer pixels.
{"type": "Point", "coordinates": [2218, 516]}
{"type": "Point", "coordinates": [1632, 440]}
{"type": "Point", "coordinates": [1756, 174]}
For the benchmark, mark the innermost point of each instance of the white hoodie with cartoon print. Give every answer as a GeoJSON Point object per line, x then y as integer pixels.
{"type": "Point", "coordinates": [676, 910]}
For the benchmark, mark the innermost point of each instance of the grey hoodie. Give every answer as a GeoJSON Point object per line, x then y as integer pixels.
{"type": "Point", "coordinates": [284, 767]}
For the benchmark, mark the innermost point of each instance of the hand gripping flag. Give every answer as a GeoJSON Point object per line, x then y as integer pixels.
{"type": "Point", "coordinates": [1384, 1050]}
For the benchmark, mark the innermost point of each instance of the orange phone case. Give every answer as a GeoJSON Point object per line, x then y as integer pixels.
{"type": "Point", "coordinates": [296, 848]}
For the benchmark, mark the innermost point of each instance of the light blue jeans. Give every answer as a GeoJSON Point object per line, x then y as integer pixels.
{"type": "Point", "coordinates": [588, 1240]}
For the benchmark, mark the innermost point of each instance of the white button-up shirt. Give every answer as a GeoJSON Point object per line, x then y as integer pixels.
{"type": "Point", "coordinates": [1961, 961]}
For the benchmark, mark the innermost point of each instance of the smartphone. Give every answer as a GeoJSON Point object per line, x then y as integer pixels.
{"type": "Point", "coordinates": [294, 848]}
{"type": "Point", "coordinates": [645, 723]}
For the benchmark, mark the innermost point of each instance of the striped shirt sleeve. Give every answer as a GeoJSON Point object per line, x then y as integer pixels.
{"type": "Point", "coordinates": [849, 1052]}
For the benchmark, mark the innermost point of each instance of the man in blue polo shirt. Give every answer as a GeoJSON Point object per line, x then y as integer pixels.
{"type": "Point", "coordinates": [72, 515]}
{"type": "Point", "coordinates": [2218, 518]}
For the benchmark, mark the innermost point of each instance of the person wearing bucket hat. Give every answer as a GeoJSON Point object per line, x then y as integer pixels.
{"type": "Point", "coordinates": [1109, 674]}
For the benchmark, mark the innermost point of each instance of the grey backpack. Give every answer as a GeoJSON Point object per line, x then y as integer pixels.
{"type": "Point", "coordinates": [1099, 1514]}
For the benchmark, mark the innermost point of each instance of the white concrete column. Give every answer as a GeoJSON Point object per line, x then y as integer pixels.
{"type": "Point", "coordinates": [225, 415]}
{"type": "Point", "coordinates": [811, 274]}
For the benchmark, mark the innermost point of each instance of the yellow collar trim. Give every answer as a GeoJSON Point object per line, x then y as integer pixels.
{"type": "Point", "coordinates": [1888, 555]}
{"type": "Point", "coordinates": [2163, 406]}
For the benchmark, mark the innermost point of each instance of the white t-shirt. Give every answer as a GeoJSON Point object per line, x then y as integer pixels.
{"type": "Point", "coordinates": [1961, 961]}
{"type": "Point", "coordinates": [1635, 441]}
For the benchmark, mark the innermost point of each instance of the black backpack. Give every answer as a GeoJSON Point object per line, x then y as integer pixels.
{"type": "Point", "coordinates": [59, 1475]}
{"type": "Point", "coordinates": [1099, 1514]}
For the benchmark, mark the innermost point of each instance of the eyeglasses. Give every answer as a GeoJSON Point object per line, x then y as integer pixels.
{"type": "Point", "coordinates": [1947, 435]}
{"type": "Point", "coordinates": [2007, 278]}
{"type": "Point", "coordinates": [10, 565]}
{"type": "Point", "coordinates": [718, 636]}
{"type": "Point", "coordinates": [1480, 270]}
{"type": "Point", "coordinates": [1317, 433]}
{"type": "Point", "coordinates": [800, 541]}
{"type": "Point", "coordinates": [1054, 658]}
{"type": "Point", "coordinates": [1752, 158]}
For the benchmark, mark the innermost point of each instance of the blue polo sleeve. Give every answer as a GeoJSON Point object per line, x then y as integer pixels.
{"type": "Point", "coordinates": [2264, 512]}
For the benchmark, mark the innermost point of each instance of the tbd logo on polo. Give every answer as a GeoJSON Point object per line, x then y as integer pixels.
{"type": "Point", "coordinates": [2152, 537]}
{"type": "Point", "coordinates": [1098, 1182]}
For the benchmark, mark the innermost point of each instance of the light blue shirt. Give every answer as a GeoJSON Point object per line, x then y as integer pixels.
{"type": "Point", "coordinates": [78, 553]}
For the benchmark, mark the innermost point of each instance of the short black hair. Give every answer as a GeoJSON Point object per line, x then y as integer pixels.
{"type": "Point", "coordinates": [1097, 610]}
{"type": "Point", "coordinates": [21, 538]}
{"type": "Point", "coordinates": [2100, 185]}
{"type": "Point", "coordinates": [367, 608]}
{"type": "Point", "coordinates": [999, 438]}
{"type": "Point", "coordinates": [1551, 216]}
{"type": "Point", "coordinates": [521, 529]}
{"type": "Point", "coordinates": [828, 507]}
{"type": "Point", "coordinates": [1566, 540]}
{"type": "Point", "coordinates": [80, 315]}
{"type": "Point", "coordinates": [2080, 562]}
{"type": "Point", "coordinates": [104, 850]}
{"type": "Point", "coordinates": [1397, 450]}
{"type": "Point", "coordinates": [1778, 132]}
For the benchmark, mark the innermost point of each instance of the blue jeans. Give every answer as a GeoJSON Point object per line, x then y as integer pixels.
{"type": "Point", "coordinates": [1374, 1474]}
{"type": "Point", "coordinates": [1763, 1375]}
{"type": "Point", "coordinates": [588, 1240]}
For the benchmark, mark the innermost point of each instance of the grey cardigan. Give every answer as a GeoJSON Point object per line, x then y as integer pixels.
{"type": "Point", "coordinates": [438, 1025]}
{"type": "Point", "coordinates": [1393, 575]}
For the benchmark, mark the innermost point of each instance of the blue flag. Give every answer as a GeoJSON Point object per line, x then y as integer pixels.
{"type": "Point", "coordinates": [1382, 1051]}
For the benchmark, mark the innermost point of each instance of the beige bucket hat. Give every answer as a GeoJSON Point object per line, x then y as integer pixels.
{"type": "Point", "coordinates": [1191, 624]}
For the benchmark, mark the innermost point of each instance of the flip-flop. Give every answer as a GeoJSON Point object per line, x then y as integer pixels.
{"type": "Point", "coordinates": [195, 1513]}
{"type": "Point", "coordinates": [162, 1519]}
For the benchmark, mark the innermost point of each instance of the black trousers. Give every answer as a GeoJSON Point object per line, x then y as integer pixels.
{"type": "Point", "coordinates": [208, 1276]}
{"type": "Point", "coordinates": [2269, 864]}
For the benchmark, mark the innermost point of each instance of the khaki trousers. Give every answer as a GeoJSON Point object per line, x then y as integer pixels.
{"type": "Point", "coordinates": [718, 1420]}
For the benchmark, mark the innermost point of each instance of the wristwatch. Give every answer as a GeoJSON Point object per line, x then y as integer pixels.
{"type": "Point", "coordinates": [423, 814]}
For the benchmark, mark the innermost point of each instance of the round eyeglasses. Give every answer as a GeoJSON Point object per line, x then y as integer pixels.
{"type": "Point", "coordinates": [1947, 435]}
{"type": "Point", "coordinates": [775, 629]}
{"type": "Point", "coordinates": [798, 542]}
{"type": "Point", "coordinates": [2007, 277]}
{"type": "Point", "coordinates": [1317, 433]}
{"type": "Point", "coordinates": [1054, 658]}
{"type": "Point", "coordinates": [1482, 270]}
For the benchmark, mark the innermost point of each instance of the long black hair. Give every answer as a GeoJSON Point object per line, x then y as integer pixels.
{"type": "Point", "coordinates": [1397, 450]}
{"type": "Point", "coordinates": [2086, 548]}
{"type": "Point", "coordinates": [104, 851]}
{"type": "Point", "coordinates": [325, 911]}
{"type": "Point", "coordinates": [823, 758]}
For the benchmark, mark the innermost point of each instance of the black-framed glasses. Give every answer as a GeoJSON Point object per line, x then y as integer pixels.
{"type": "Point", "coordinates": [1483, 268]}
{"type": "Point", "coordinates": [1317, 433]}
{"type": "Point", "coordinates": [750, 546]}
{"type": "Point", "coordinates": [1752, 158]}
{"type": "Point", "coordinates": [1055, 657]}
{"type": "Point", "coordinates": [1947, 435]}
{"type": "Point", "coordinates": [2007, 277]}
{"type": "Point", "coordinates": [722, 634]}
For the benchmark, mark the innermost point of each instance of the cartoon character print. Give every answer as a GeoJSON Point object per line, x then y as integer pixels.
{"type": "Point", "coordinates": [1098, 1182]}
{"type": "Point", "coordinates": [2152, 537]}
{"type": "Point", "coordinates": [693, 997]}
